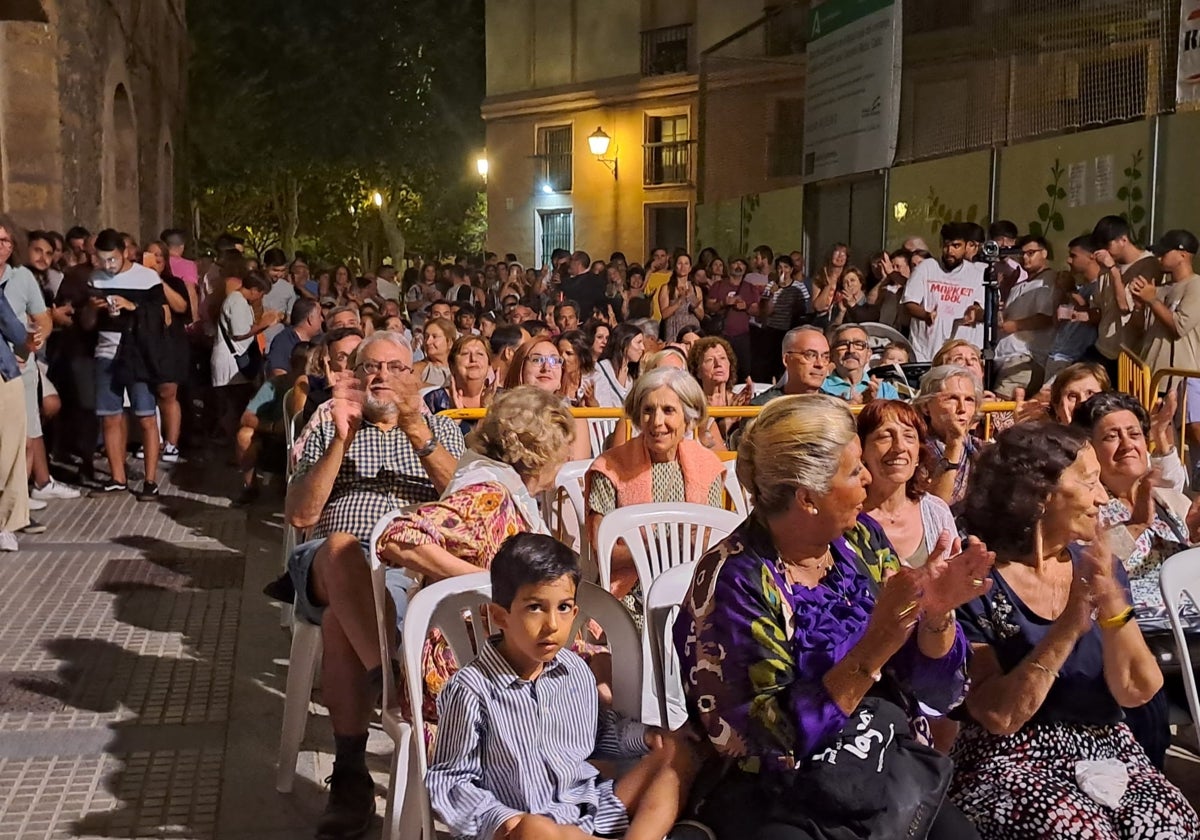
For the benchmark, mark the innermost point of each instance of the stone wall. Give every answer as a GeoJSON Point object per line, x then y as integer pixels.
{"type": "Point", "coordinates": [92, 113]}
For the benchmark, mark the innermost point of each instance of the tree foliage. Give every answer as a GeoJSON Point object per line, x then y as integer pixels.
{"type": "Point", "coordinates": [301, 110]}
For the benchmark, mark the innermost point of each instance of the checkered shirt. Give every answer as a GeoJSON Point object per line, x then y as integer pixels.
{"type": "Point", "coordinates": [381, 472]}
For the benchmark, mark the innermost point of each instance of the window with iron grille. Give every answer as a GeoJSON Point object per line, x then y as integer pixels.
{"type": "Point", "coordinates": [785, 143]}
{"type": "Point", "coordinates": [666, 50]}
{"type": "Point", "coordinates": [668, 151]}
{"type": "Point", "coordinates": [556, 231]}
{"type": "Point", "coordinates": [554, 153]}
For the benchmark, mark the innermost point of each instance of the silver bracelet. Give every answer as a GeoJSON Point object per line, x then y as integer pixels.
{"type": "Point", "coordinates": [1042, 667]}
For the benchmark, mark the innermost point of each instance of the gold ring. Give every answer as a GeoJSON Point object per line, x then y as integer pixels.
{"type": "Point", "coordinates": [904, 613]}
{"type": "Point", "coordinates": [977, 581]}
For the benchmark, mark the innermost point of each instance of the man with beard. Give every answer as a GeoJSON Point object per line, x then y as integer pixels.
{"type": "Point", "coordinates": [377, 451]}
{"type": "Point", "coordinates": [850, 351]}
{"type": "Point", "coordinates": [945, 297]}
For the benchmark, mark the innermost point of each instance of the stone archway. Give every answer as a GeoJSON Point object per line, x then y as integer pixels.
{"type": "Point", "coordinates": [121, 165]}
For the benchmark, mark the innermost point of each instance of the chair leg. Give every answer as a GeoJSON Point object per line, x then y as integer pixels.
{"type": "Point", "coordinates": [397, 786]}
{"type": "Point", "coordinates": [302, 666]}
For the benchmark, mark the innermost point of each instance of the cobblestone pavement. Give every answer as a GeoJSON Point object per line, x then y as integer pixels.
{"type": "Point", "coordinates": [142, 674]}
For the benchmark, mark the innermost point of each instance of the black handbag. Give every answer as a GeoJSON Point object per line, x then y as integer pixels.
{"type": "Point", "coordinates": [875, 781]}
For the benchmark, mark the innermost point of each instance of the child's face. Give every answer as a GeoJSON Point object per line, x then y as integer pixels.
{"type": "Point", "coordinates": [894, 356]}
{"type": "Point", "coordinates": [537, 625]}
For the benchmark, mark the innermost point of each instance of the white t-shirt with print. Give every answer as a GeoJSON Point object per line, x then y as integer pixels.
{"type": "Point", "coordinates": [949, 294]}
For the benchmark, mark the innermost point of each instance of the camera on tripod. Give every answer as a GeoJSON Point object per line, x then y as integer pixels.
{"type": "Point", "coordinates": [992, 252]}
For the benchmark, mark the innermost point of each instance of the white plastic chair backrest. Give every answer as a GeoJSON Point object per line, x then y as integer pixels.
{"type": "Point", "coordinates": [662, 605]}
{"type": "Point", "coordinates": [741, 499]}
{"type": "Point", "coordinates": [599, 429]}
{"type": "Point", "coordinates": [880, 335]}
{"type": "Point", "coordinates": [759, 387]}
{"type": "Point", "coordinates": [563, 511]}
{"type": "Point", "coordinates": [660, 536]}
{"type": "Point", "coordinates": [444, 603]}
{"type": "Point", "coordinates": [1179, 579]}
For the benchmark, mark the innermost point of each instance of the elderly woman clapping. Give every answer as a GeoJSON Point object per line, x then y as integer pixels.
{"type": "Point", "coordinates": [659, 464]}
{"type": "Point", "coordinates": [799, 615]}
{"type": "Point", "coordinates": [1056, 657]}
{"type": "Point", "coordinates": [950, 399]}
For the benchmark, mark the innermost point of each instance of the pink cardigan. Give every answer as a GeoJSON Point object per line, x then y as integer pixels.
{"type": "Point", "coordinates": [628, 468]}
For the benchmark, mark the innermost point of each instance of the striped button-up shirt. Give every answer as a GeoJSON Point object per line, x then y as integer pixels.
{"type": "Point", "coordinates": [508, 746]}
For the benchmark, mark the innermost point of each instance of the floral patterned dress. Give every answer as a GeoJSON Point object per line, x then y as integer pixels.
{"type": "Point", "coordinates": [471, 522]}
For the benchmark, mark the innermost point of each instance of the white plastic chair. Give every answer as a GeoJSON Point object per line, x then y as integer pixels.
{"type": "Point", "coordinates": [1179, 580]}
{"type": "Point", "coordinates": [662, 605]}
{"type": "Point", "coordinates": [599, 429]}
{"type": "Point", "coordinates": [442, 605]}
{"type": "Point", "coordinates": [302, 668]}
{"type": "Point", "coordinates": [660, 536]}
{"type": "Point", "coordinates": [741, 499]}
{"type": "Point", "coordinates": [563, 511]}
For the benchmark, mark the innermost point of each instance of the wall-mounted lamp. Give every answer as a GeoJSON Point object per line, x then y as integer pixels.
{"type": "Point", "coordinates": [598, 143]}
{"type": "Point", "coordinates": [482, 166]}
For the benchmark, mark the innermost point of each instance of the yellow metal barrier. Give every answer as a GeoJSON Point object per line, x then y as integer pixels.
{"type": "Point", "coordinates": [1156, 380]}
{"type": "Point", "coordinates": [623, 429]}
{"type": "Point", "coordinates": [1134, 378]}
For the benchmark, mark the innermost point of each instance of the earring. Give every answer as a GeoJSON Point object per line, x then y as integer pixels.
{"type": "Point", "coordinates": [813, 510]}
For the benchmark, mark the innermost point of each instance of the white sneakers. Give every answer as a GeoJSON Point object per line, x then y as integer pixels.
{"type": "Point", "coordinates": [36, 504]}
{"type": "Point", "coordinates": [169, 454]}
{"type": "Point", "coordinates": [8, 541]}
{"type": "Point", "coordinates": [52, 492]}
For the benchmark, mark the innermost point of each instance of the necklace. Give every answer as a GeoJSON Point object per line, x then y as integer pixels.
{"type": "Point", "coordinates": [792, 570]}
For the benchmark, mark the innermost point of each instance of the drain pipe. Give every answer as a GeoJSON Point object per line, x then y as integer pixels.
{"type": "Point", "coordinates": [1155, 156]}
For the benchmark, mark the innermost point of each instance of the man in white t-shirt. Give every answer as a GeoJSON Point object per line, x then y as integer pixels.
{"type": "Point", "coordinates": [119, 288]}
{"type": "Point", "coordinates": [1026, 332]}
{"type": "Point", "coordinates": [386, 284]}
{"type": "Point", "coordinates": [945, 297]}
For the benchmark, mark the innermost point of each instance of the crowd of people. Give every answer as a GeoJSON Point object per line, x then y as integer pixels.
{"type": "Point", "coordinates": [974, 591]}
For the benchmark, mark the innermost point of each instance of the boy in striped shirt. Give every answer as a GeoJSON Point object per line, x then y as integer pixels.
{"type": "Point", "coordinates": [520, 723]}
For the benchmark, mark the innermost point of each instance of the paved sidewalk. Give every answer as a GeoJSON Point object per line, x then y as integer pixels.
{"type": "Point", "coordinates": [142, 673]}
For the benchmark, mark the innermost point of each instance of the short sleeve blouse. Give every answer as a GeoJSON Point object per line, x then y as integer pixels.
{"type": "Point", "coordinates": [1011, 629]}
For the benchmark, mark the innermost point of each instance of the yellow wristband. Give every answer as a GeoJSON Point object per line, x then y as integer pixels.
{"type": "Point", "coordinates": [1117, 621]}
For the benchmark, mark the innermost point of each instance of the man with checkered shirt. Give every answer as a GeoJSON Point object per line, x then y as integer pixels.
{"type": "Point", "coordinates": [378, 451]}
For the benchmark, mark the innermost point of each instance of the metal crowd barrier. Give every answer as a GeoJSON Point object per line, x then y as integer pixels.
{"type": "Point", "coordinates": [989, 411]}
{"type": "Point", "coordinates": [1134, 378]}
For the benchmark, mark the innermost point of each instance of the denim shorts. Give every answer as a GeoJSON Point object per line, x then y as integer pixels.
{"type": "Point", "coordinates": [300, 565]}
{"type": "Point", "coordinates": [110, 397]}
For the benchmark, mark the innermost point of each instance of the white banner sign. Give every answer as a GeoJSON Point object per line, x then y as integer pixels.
{"type": "Point", "coordinates": [852, 93]}
{"type": "Point", "coordinates": [1187, 81]}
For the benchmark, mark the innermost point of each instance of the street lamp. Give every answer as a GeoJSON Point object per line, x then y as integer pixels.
{"type": "Point", "coordinates": [377, 198]}
{"type": "Point", "coordinates": [598, 143]}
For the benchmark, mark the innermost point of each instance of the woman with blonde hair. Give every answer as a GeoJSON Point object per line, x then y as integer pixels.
{"type": "Point", "coordinates": [792, 625]}
{"type": "Point", "coordinates": [539, 364]}
{"type": "Point", "coordinates": [513, 454]}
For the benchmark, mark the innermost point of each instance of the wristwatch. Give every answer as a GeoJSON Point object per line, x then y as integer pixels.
{"type": "Point", "coordinates": [427, 450]}
{"type": "Point", "coordinates": [947, 464]}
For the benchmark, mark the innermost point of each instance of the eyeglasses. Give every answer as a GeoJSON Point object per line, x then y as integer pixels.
{"type": "Point", "coordinates": [810, 356]}
{"type": "Point", "coordinates": [537, 360]}
{"type": "Point", "coordinates": [372, 368]}
{"type": "Point", "coordinates": [851, 345]}
{"type": "Point", "coordinates": [1031, 251]}
{"type": "Point", "coordinates": [7, 242]}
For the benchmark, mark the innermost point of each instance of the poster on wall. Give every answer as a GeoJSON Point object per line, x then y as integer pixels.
{"type": "Point", "coordinates": [1187, 79]}
{"type": "Point", "coordinates": [852, 92]}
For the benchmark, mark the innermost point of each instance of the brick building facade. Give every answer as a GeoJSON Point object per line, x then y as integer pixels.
{"type": "Point", "coordinates": [92, 103]}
